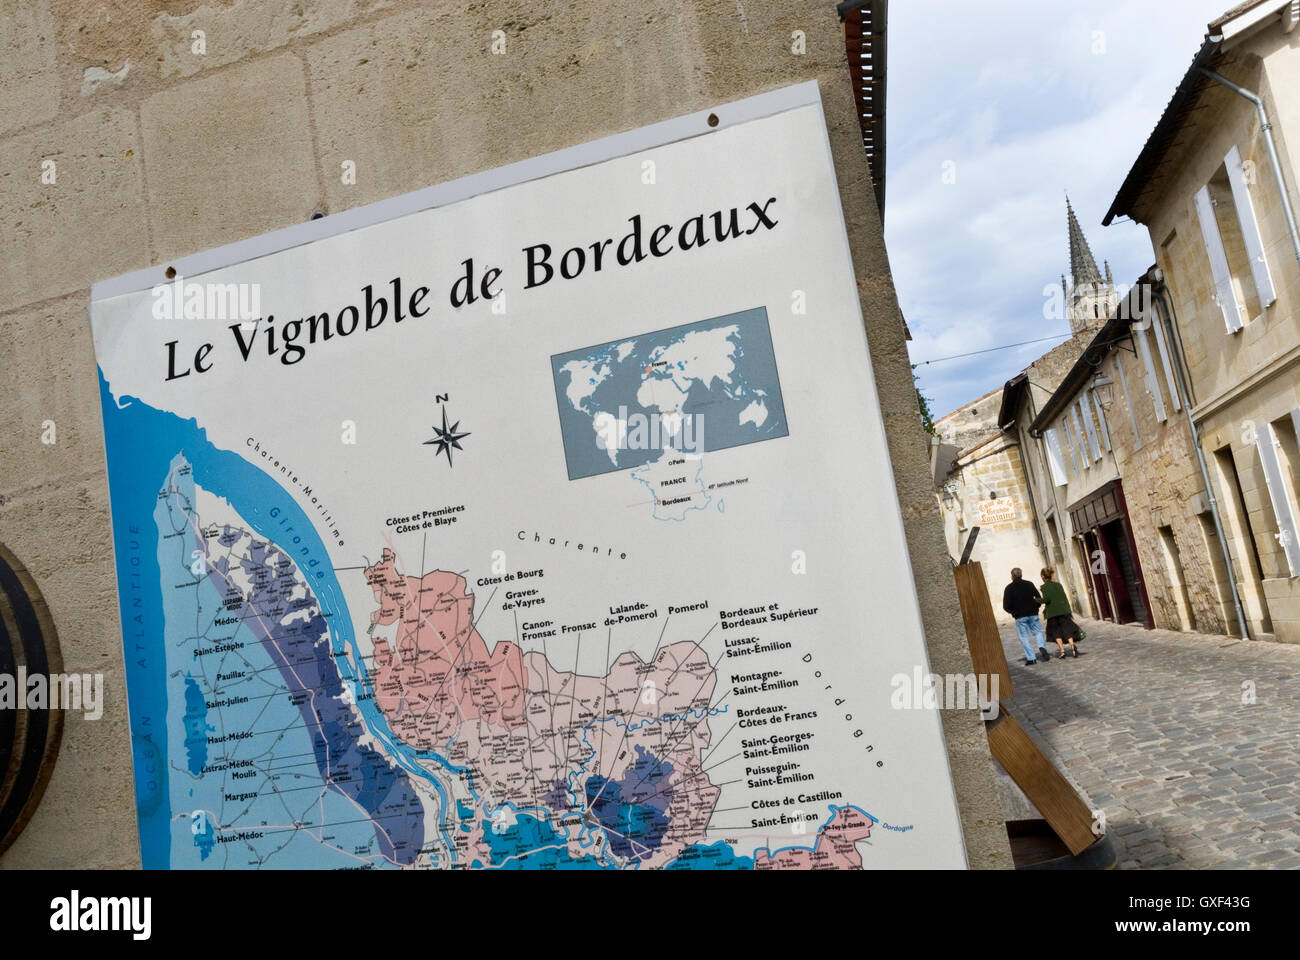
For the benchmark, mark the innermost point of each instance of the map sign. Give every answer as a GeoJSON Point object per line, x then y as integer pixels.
{"type": "Point", "coordinates": [542, 520]}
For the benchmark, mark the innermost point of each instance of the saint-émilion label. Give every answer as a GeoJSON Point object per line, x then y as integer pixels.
{"type": "Point", "coordinates": [550, 526]}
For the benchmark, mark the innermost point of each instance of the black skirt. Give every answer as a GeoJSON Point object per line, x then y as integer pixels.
{"type": "Point", "coordinates": [1061, 628]}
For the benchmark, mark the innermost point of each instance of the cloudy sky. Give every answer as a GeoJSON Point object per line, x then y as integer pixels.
{"type": "Point", "coordinates": [1019, 101]}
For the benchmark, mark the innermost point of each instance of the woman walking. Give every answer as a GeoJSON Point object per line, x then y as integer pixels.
{"type": "Point", "coordinates": [1060, 625]}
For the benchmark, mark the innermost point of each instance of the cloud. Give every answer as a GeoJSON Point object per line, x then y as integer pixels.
{"type": "Point", "coordinates": [1021, 101]}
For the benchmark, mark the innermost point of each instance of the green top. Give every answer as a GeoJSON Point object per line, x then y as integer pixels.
{"type": "Point", "coordinates": [1053, 595]}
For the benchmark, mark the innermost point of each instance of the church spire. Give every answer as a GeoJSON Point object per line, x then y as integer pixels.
{"type": "Point", "coordinates": [1083, 266]}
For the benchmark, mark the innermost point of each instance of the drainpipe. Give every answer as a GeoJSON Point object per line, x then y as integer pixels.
{"type": "Point", "coordinates": [1166, 315]}
{"type": "Point", "coordinates": [1267, 129]}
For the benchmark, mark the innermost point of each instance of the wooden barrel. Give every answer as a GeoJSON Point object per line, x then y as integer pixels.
{"type": "Point", "coordinates": [29, 739]}
{"type": "Point", "coordinates": [1035, 846]}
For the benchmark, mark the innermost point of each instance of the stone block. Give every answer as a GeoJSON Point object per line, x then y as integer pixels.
{"type": "Point", "coordinates": [49, 347]}
{"type": "Point", "coordinates": [29, 84]}
{"type": "Point", "coordinates": [232, 31]}
{"type": "Point", "coordinates": [229, 156]}
{"type": "Point", "coordinates": [483, 109]}
{"type": "Point", "coordinates": [86, 225]}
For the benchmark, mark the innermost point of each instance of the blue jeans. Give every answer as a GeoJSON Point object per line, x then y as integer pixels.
{"type": "Point", "coordinates": [1029, 628]}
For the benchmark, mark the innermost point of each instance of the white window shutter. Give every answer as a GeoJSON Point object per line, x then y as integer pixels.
{"type": "Point", "coordinates": [1152, 382]}
{"type": "Point", "coordinates": [1132, 417]}
{"type": "Point", "coordinates": [1085, 413]}
{"type": "Point", "coordinates": [1164, 359]}
{"type": "Point", "coordinates": [1075, 465]}
{"type": "Point", "coordinates": [1101, 420]}
{"type": "Point", "coordinates": [1083, 443]}
{"type": "Point", "coordinates": [1055, 462]}
{"type": "Point", "coordinates": [1287, 535]}
{"type": "Point", "coordinates": [1250, 234]}
{"type": "Point", "coordinates": [1225, 295]}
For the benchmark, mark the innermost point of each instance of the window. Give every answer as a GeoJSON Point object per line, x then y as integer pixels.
{"type": "Point", "coordinates": [1101, 420]}
{"type": "Point", "coordinates": [1219, 568]}
{"type": "Point", "coordinates": [1075, 440]}
{"type": "Point", "coordinates": [1241, 536]}
{"type": "Point", "coordinates": [1084, 461]}
{"type": "Point", "coordinates": [1151, 380]}
{"type": "Point", "coordinates": [1076, 462]}
{"type": "Point", "coordinates": [1225, 293]}
{"type": "Point", "coordinates": [1158, 326]}
{"type": "Point", "coordinates": [1055, 462]}
{"type": "Point", "coordinates": [1177, 583]}
{"type": "Point", "coordinates": [1123, 385]}
{"type": "Point", "coordinates": [1270, 459]}
{"type": "Point", "coordinates": [1250, 235]}
{"type": "Point", "coordinates": [1085, 414]}
{"type": "Point", "coordinates": [1242, 281]}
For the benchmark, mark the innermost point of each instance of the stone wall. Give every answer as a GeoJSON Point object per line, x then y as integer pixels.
{"type": "Point", "coordinates": [159, 151]}
{"type": "Point", "coordinates": [1045, 375]}
{"type": "Point", "coordinates": [988, 463]}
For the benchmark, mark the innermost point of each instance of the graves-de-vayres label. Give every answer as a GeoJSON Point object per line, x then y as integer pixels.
{"type": "Point", "coordinates": [549, 528]}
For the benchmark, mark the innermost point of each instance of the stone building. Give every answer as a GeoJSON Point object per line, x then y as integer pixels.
{"type": "Point", "coordinates": [989, 472]}
{"type": "Point", "coordinates": [1216, 187]}
{"type": "Point", "coordinates": [1120, 455]}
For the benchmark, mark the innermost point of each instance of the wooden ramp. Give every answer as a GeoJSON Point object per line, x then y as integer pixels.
{"type": "Point", "coordinates": [1047, 789]}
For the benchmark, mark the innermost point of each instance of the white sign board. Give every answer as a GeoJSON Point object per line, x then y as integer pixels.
{"type": "Point", "coordinates": [543, 518]}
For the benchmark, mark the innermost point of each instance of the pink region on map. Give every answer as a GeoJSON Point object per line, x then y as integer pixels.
{"type": "Point", "coordinates": [536, 736]}
{"type": "Point", "coordinates": [835, 848]}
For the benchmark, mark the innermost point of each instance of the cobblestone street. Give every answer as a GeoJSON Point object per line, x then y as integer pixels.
{"type": "Point", "coordinates": [1152, 726]}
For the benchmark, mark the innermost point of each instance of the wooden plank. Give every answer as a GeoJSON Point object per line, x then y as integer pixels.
{"type": "Point", "coordinates": [1058, 802]}
{"type": "Point", "coordinates": [986, 652]}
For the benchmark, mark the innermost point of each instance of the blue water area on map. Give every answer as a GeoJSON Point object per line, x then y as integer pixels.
{"type": "Point", "coordinates": [141, 444]}
{"type": "Point", "coordinates": [621, 367]}
{"type": "Point", "coordinates": [196, 726]}
{"type": "Point", "coordinates": [716, 856]}
{"type": "Point", "coordinates": [531, 844]}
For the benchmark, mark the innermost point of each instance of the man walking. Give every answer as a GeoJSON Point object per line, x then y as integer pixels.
{"type": "Point", "coordinates": [1021, 600]}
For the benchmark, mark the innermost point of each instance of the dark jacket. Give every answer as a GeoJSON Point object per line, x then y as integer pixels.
{"type": "Point", "coordinates": [1021, 599]}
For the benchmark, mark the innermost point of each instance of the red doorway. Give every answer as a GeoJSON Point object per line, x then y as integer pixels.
{"type": "Point", "coordinates": [1115, 580]}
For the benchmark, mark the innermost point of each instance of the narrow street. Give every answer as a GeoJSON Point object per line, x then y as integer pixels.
{"type": "Point", "coordinates": [1152, 726]}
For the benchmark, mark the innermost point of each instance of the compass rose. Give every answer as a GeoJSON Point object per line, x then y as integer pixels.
{"type": "Point", "coordinates": [447, 437]}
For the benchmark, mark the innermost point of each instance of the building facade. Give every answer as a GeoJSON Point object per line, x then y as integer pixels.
{"type": "Point", "coordinates": [1216, 187]}
{"type": "Point", "coordinates": [1121, 454]}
